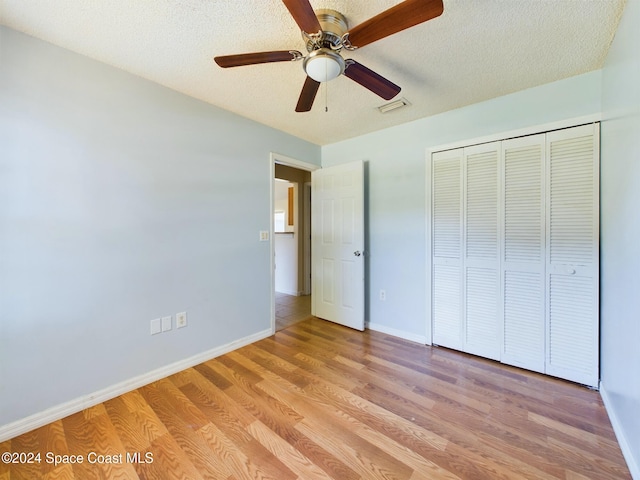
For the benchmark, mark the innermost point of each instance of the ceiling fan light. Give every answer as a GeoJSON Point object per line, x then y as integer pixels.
{"type": "Point", "coordinates": [323, 65]}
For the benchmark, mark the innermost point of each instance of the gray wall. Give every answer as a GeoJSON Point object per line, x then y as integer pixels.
{"type": "Point", "coordinates": [121, 201]}
{"type": "Point", "coordinates": [620, 234]}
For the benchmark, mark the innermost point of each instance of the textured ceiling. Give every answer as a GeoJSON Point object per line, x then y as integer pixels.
{"type": "Point", "coordinates": [476, 50]}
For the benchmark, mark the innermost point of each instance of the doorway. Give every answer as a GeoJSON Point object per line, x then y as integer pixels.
{"type": "Point", "coordinates": [291, 240]}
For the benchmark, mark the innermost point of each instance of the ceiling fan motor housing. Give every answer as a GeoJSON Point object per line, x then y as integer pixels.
{"type": "Point", "coordinates": [334, 26]}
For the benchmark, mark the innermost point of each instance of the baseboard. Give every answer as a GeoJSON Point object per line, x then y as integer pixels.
{"type": "Point", "coordinates": [58, 412]}
{"type": "Point", "coordinates": [289, 292]}
{"type": "Point", "coordinates": [398, 333]}
{"type": "Point", "coordinates": [627, 452]}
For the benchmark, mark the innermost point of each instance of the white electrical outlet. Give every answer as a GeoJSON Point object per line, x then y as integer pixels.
{"type": "Point", "coordinates": [383, 295]}
{"type": "Point", "coordinates": [166, 324]}
{"type": "Point", "coordinates": [155, 326]}
{"type": "Point", "coordinates": [181, 319]}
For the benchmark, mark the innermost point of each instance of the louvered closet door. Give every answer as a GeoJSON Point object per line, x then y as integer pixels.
{"type": "Point", "coordinates": [572, 254]}
{"type": "Point", "coordinates": [447, 248]}
{"type": "Point", "coordinates": [523, 257]}
{"type": "Point", "coordinates": [481, 260]}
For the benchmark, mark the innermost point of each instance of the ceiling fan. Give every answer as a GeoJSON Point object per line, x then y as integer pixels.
{"type": "Point", "coordinates": [326, 33]}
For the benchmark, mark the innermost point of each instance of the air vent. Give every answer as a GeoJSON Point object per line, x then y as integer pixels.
{"type": "Point", "coordinates": [403, 102]}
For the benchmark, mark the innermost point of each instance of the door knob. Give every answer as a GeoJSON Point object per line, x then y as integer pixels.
{"type": "Point", "coordinates": [357, 253]}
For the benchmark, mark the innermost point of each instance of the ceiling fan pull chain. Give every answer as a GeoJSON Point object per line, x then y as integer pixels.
{"type": "Point", "coordinates": [326, 96]}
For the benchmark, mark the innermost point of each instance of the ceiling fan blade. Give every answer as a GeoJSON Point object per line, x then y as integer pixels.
{"type": "Point", "coordinates": [371, 80]}
{"type": "Point", "coordinates": [308, 95]}
{"type": "Point", "coordinates": [303, 14]}
{"type": "Point", "coordinates": [404, 15]}
{"type": "Point", "coordinates": [242, 59]}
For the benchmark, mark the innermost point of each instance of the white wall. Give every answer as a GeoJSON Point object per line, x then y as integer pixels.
{"type": "Point", "coordinates": [395, 195]}
{"type": "Point", "coordinates": [285, 244]}
{"type": "Point", "coordinates": [286, 263]}
{"type": "Point", "coordinates": [121, 201]}
{"type": "Point", "coordinates": [620, 235]}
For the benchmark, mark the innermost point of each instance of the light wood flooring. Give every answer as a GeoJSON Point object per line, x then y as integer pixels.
{"type": "Point", "coordinates": [319, 401]}
{"type": "Point", "coordinates": [291, 309]}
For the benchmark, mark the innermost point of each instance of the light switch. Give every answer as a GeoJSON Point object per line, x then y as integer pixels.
{"type": "Point", "coordinates": [166, 324]}
{"type": "Point", "coordinates": [155, 326]}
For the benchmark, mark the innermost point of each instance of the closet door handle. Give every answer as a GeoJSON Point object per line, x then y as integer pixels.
{"type": "Point", "coordinates": [357, 253]}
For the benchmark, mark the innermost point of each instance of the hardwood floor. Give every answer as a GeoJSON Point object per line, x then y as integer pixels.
{"type": "Point", "coordinates": [319, 401]}
{"type": "Point", "coordinates": [291, 309]}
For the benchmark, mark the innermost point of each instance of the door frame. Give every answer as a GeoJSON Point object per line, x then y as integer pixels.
{"type": "Point", "coordinates": [277, 158]}
{"type": "Point", "coordinates": [306, 220]}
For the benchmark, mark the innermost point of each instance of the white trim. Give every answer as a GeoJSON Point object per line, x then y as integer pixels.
{"type": "Point", "coordinates": [290, 292]}
{"type": "Point", "coordinates": [412, 337]}
{"type": "Point", "coordinates": [627, 452]}
{"type": "Point", "coordinates": [53, 414]}
{"type": "Point", "coordinates": [306, 241]}
{"type": "Point", "coordinates": [429, 248]}
{"type": "Point", "coordinates": [521, 132]}
{"type": "Point", "coordinates": [272, 243]}
{"type": "Point", "coordinates": [292, 162]}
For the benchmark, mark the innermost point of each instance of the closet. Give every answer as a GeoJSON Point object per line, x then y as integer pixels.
{"type": "Point", "coordinates": [514, 251]}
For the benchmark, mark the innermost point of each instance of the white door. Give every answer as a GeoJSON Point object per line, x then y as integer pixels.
{"type": "Point", "coordinates": [337, 246]}
{"type": "Point", "coordinates": [481, 245]}
{"type": "Point", "coordinates": [523, 252]}
{"type": "Point", "coordinates": [446, 278]}
{"type": "Point", "coordinates": [465, 257]}
{"type": "Point", "coordinates": [573, 254]}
